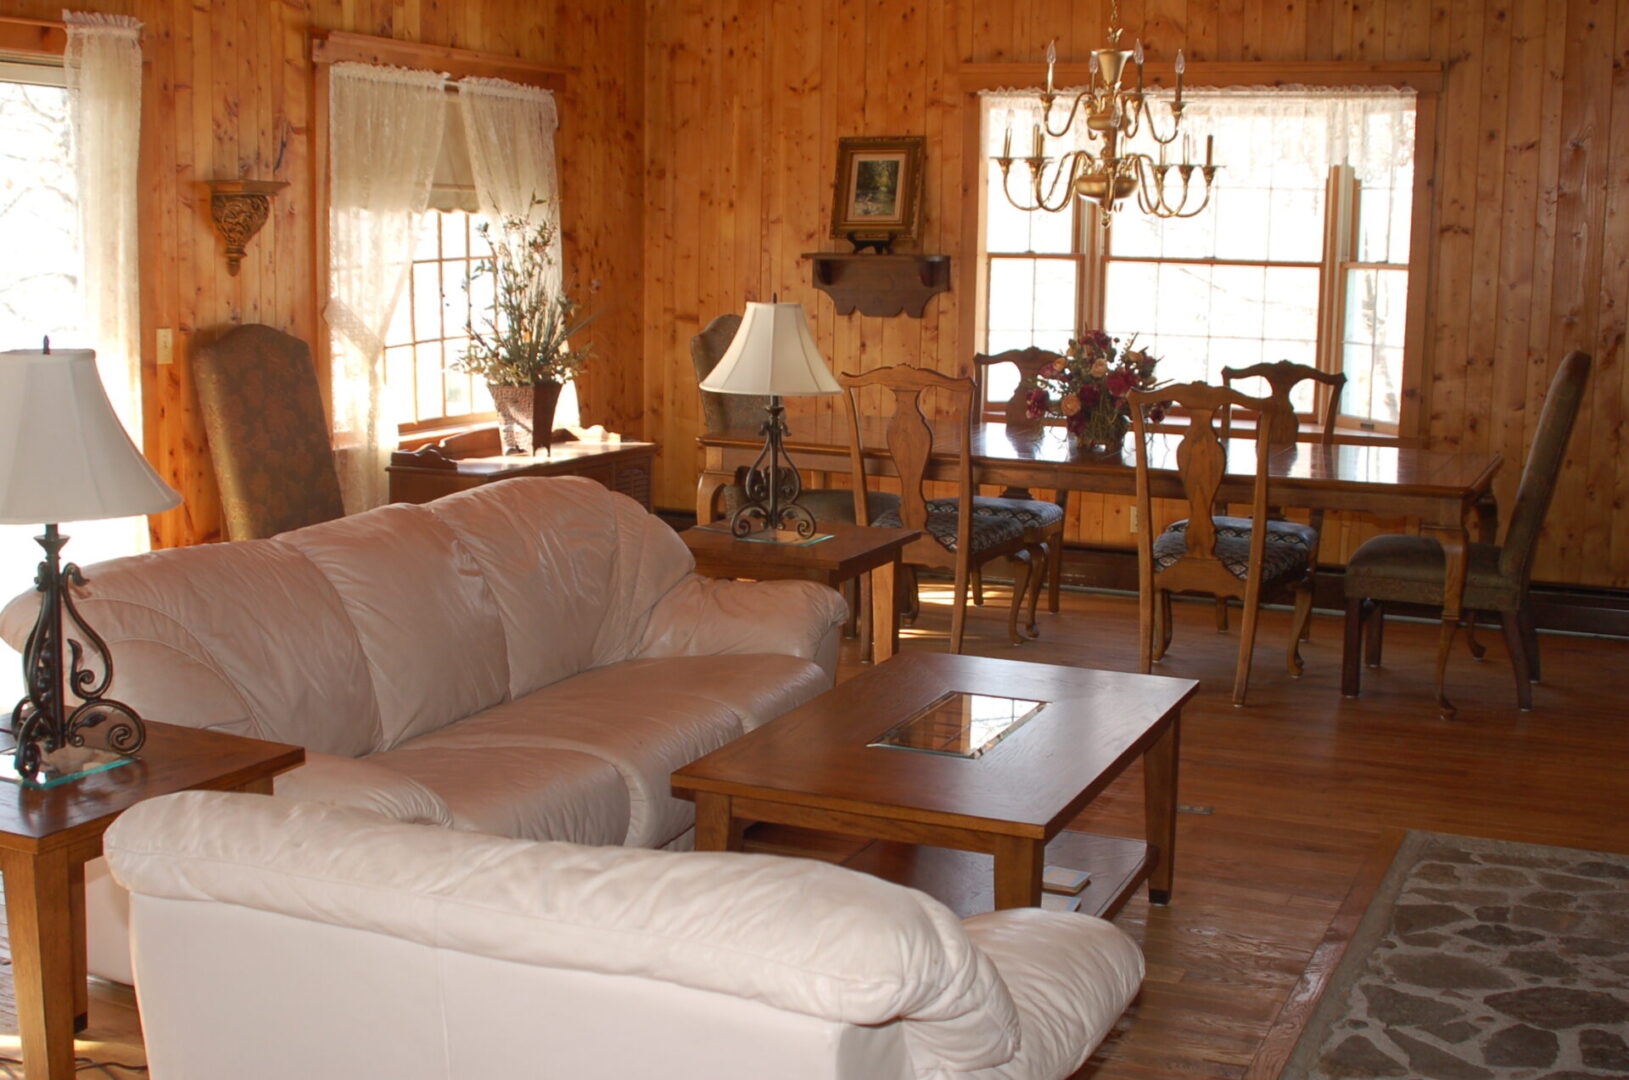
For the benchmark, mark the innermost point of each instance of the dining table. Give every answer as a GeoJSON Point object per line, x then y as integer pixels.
{"type": "Point", "coordinates": [1439, 487]}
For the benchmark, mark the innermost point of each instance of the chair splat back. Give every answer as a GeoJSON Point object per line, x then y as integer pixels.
{"type": "Point", "coordinates": [1283, 376]}
{"type": "Point", "coordinates": [909, 434]}
{"type": "Point", "coordinates": [1029, 363]}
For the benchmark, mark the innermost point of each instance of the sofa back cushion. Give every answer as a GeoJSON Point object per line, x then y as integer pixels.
{"type": "Point", "coordinates": [426, 621]}
{"type": "Point", "coordinates": [574, 570]}
{"type": "Point", "coordinates": [245, 637]}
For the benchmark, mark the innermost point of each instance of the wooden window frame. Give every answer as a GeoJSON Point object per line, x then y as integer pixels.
{"type": "Point", "coordinates": [1425, 78]}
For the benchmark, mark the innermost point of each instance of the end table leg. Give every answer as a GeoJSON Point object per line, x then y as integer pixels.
{"type": "Point", "coordinates": [1159, 808]}
{"type": "Point", "coordinates": [38, 899]}
{"type": "Point", "coordinates": [1018, 866]}
{"type": "Point", "coordinates": [715, 829]}
{"type": "Point", "coordinates": [884, 611]}
{"type": "Point", "coordinates": [76, 912]}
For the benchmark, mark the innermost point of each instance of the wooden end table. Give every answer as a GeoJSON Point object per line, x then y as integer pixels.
{"type": "Point", "coordinates": [48, 835]}
{"type": "Point", "coordinates": [813, 768]}
{"type": "Point", "coordinates": [852, 550]}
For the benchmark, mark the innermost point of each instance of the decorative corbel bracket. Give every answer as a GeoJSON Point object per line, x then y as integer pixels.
{"type": "Point", "coordinates": [239, 208]}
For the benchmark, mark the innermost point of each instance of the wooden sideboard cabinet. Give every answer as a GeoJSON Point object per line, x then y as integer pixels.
{"type": "Point", "coordinates": [472, 459]}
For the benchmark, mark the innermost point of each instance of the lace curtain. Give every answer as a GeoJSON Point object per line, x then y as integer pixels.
{"type": "Point", "coordinates": [102, 69]}
{"type": "Point", "coordinates": [509, 130]}
{"type": "Point", "coordinates": [385, 129]}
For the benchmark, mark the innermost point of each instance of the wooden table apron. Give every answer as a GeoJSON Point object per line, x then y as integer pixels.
{"type": "Point", "coordinates": [1438, 487]}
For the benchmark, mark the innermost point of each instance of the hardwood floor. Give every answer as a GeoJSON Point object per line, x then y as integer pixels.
{"type": "Point", "coordinates": [1290, 795]}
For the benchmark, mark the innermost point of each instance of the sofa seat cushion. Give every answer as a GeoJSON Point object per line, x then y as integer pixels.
{"type": "Point", "coordinates": [756, 687]}
{"type": "Point", "coordinates": [643, 718]}
{"type": "Point", "coordinates": [514, 789]}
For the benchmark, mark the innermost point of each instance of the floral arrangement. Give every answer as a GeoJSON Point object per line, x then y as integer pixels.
{"type": "Point", "coordinates": [1087, 386]}
{"type": "Point", "coordinates": [526, 339]}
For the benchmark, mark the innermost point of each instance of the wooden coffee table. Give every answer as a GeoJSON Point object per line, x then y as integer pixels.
{"type": "Point", "coordinates": [813, 768]}
{"type": "Point", "coordinates": [48, 835]}
{"type": "Point", "coordinates": [852, 550]}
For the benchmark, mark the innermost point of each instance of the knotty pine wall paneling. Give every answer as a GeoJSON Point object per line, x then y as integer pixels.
{"type": "Point", "coordinates": [228, 93]}
{"type": "Point", "coordinates": [1529, 202]}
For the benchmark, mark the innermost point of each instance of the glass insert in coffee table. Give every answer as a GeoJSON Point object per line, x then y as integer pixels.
{"type": "Point", "coordinates": [959, 724]}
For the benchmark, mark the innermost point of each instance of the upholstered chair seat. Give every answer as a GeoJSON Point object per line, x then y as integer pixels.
{"type": "Point", "coordinates": [988, 531]}
{"type": "Point", "coordinates": [1029, 513]}
{"type": "Point", "coordinates": [1281, 562]}
{"type": "Point", "coordinates": [1409, 570]}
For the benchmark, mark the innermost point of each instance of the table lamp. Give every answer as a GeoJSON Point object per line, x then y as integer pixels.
{"type": "Point", "coordinates": [64, 456]}
{"type": "Point", "coordinates": [772, 353]}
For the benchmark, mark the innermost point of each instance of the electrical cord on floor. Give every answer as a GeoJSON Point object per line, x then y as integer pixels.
{"type": "Point", "coordinates": [103, 1068]}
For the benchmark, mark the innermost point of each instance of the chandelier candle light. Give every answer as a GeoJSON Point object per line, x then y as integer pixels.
{"type": "Point", "coordinates": [773, 353]}
{"type": "Point", "coordinates": [64, 456]}
{"type": "Point", "coordinates": [1112, 115]}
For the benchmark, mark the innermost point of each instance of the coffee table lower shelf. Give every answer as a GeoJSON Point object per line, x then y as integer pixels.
{"type": "Point", "coordinates": [964, 880]}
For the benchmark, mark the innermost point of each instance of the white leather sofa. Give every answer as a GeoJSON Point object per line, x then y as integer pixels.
{"type": "Point", "coordinates": [532, 658]}
{"type": "Point", "coordinates": [275, 938]}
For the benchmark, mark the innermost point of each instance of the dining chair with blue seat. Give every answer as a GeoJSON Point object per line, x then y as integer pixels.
{"type": "Point", "coordinates": [1198, 554]}
{"type": "Point", "coordinates": [954, 537]}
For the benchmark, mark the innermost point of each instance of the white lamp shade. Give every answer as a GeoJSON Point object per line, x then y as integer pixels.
{"type": "Point", "coordinates": [64, 456]}
{"type": "Point", "coordinates": [772, 353]}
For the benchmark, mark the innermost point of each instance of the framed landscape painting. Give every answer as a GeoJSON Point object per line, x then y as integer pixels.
{"type": "Point", "coordinates": [879, 186]}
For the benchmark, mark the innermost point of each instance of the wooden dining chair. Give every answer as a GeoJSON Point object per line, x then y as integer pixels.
{"type": "Point", "coordinates": [1411, 569]}
{"type": "Point", "coordinates": [1284, 427]}
{"type": "Point", "coordinates": [1042, 520]}
{"type": "Point", "coordinates": [1198, 554]}
{"type": "Point", "coordinates": [954, 538]}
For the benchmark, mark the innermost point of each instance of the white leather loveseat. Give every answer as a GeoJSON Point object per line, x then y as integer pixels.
{"type": "Point", "coordinates": [532, 658]}
{"type": "Point", "coordinates": [275, 938]}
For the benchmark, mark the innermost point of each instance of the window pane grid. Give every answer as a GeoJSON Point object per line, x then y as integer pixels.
{"type": "Point", "coordinates": [429, 331]}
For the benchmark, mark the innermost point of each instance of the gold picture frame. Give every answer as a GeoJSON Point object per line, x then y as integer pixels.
{"type": "Point", "coordinates": [878, 194]}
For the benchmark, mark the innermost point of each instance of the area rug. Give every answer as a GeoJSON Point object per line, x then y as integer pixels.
{"type": "Point", "coordinates": [1480, 960]}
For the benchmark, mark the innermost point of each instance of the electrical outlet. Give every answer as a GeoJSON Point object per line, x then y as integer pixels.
{"type": "Point", "coordinates": [166, 345]}
{"type": "Point", "coordinates": [1133, 519]}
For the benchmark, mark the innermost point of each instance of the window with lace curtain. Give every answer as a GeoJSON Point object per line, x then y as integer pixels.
{"type": "Point", "coordinates": [1302, 254]}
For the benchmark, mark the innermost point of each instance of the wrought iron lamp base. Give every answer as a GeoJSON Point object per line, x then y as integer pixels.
{"type": "Point", "coordinates": [772, 485]}
{"type": "Point", "coordinates": [54, 663]}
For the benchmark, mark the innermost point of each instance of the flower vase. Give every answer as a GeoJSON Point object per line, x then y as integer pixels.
{"type": "Point", "coordinates": [1105, 439]}
{"type": "Point", "coordinates": [525, 415]}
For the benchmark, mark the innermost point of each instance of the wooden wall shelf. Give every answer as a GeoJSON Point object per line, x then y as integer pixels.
{"type": "Point", "coordinates": [881, 285]}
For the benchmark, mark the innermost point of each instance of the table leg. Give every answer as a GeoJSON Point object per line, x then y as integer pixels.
{"type": "Point", "coordinates": [38, 902]}
{"type": "Point", "coordinates": [884, 611]}
{"type": "Point", "coordinates": [716, 829]}
{"type": "Point", "coordinates": [1453, 540]}
{"type": "Point", "coordinates": [1019, 863]}
{"type": "Point", "coordinates": [76, 914]}
{"type": "Point", "coordinates": [1159, 808]}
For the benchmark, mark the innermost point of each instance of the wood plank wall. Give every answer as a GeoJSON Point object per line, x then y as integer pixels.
{"type": "Point", "coordinates": [228, 93]}
{"type": "Point", "coordinates": [745, 100]}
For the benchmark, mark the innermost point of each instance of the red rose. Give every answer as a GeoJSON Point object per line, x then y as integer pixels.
{"type": "Point", "coordinates": [1036, 404]}
{"type": "Point", "coordinates": [1119, 381]}
{"type": "Point", "coordinates": [1089, 397]}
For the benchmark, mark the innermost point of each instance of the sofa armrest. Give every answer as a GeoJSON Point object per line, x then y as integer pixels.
{"type": "Point", "coordinates": [706, 617]}
{"type": "Point", "coordinates": [343, 781]}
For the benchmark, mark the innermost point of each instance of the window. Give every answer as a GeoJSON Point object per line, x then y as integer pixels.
{"type": "Point", "coordinates": [428, 330]}
{"type": "Point", "coordinates": [1302, 253]}
{"type": "Point", "coordinates": [39, 288]}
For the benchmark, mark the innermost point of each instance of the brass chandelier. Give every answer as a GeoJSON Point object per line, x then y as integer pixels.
{"type": "Point", "coordinates": [1112, 115]}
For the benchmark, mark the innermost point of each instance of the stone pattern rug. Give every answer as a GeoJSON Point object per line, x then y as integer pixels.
{"type": "Point", "coordinates": [1481, 960]}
